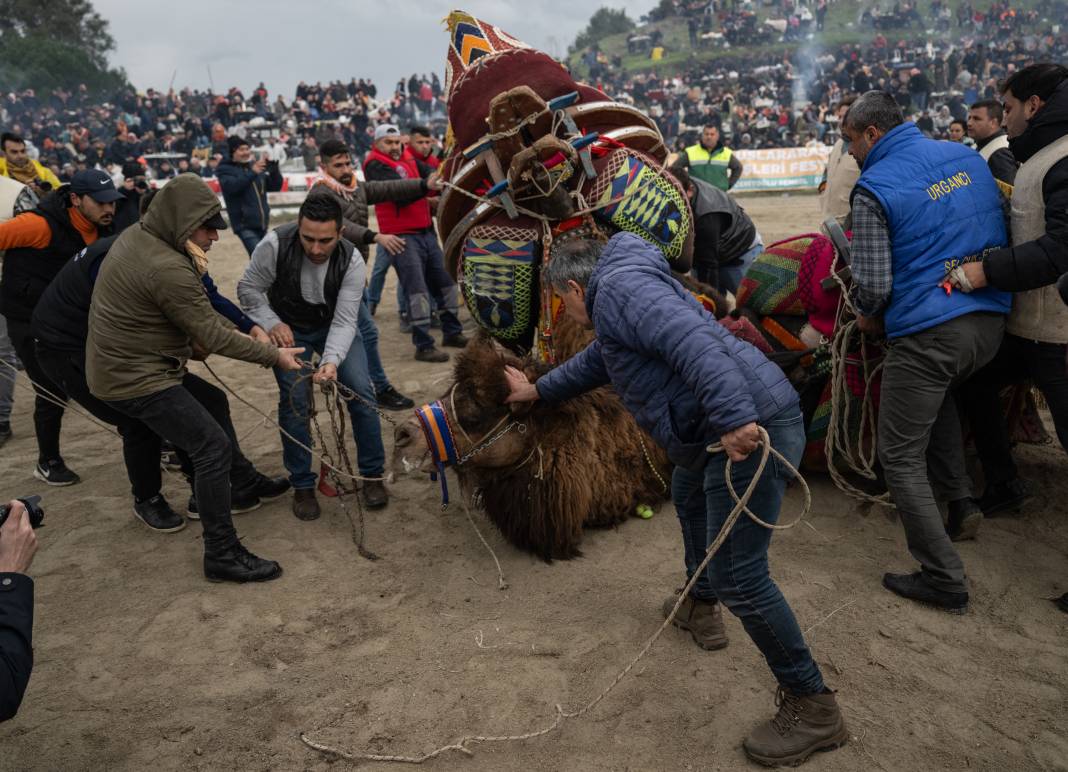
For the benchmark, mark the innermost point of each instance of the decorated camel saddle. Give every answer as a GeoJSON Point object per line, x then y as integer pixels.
{"type": "Point", "coordinates": [534, 157]}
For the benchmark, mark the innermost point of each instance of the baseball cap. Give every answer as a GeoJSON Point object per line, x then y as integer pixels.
{"type": "Point", "coordinates": [96, 184]}
{"type": "Point", "coordinates": [386, 130]}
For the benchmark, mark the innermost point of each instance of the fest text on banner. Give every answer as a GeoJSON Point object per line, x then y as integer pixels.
{"type": "Point", "coordinates": [782, 168]}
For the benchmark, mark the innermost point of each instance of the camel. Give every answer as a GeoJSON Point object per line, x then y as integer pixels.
{"type": "Point", "coordinates": [558, 469]}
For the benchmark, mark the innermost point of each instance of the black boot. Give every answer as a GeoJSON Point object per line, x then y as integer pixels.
{"type": "Point", "coordinates": [237, 564]}
{"type": "Point", "coordinates": [391, 399]}
{"type": "Point", "coordinates": [1005, 499]}
{"type": "Point", "coordinates": [915, 587]}
{"type": "Point", "coordinates": [263, 488]}
{"type": "Point", "coordinates": [965, 517]}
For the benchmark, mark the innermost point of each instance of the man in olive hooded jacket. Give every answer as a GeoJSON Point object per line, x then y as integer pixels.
{"type": "Point", "coordinates": [149, 313]}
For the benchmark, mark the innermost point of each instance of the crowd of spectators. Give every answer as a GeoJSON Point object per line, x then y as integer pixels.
{"type": "Point", "coordinates": [766, 99]}
{"type": "Point", "coordinates": [786, 99]}
{"type": "Point", "coordinates": [171, 132]}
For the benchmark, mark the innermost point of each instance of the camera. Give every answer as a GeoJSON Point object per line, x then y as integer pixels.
{"type": "Point", "coordinates": [33, 509]}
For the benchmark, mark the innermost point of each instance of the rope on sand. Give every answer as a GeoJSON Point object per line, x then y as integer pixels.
{"type": "Point", "coordinates": [48, 396]}
{"type": "Point", "coordinates": [741, 507]}
{"type": "Point", "coordinates": [333, 389]}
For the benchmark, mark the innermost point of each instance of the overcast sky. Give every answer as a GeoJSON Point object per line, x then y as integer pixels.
{"type": "Point", "coordinates": [282, 42]}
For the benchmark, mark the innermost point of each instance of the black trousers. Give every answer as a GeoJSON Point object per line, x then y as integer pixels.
{"type": "Point", "coordinates": [195, 417]}
{"type": "Point", "coordinates": [140, 445]}
{"type": "Point", "coordinates": [47, 417]}
{"type": "Point", "coordinates": [1017, 360]}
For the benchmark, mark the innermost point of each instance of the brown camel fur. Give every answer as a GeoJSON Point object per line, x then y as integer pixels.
{"type": "Point", "coordinates": [560, 469]}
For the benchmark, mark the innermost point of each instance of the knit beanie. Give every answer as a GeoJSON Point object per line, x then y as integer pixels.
{"type": "Point", "coordinates": [234, 143]}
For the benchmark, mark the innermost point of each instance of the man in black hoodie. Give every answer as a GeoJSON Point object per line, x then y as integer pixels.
{"type": "Point", "coordinates": [1036, 340]}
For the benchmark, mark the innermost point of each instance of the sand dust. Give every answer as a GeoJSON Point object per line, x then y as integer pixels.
{"type": "Point", "coordinates": [142, 664]}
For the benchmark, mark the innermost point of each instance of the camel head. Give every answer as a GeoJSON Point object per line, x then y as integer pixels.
{"type": "Point", "coordinates": [475, 410]}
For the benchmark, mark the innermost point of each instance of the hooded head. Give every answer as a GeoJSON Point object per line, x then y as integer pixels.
{"type": "Point", "coordinates": [179, 208]}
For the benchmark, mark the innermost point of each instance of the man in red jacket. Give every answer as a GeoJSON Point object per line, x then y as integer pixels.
{"type": "Point", "coordinates": [420, 266]}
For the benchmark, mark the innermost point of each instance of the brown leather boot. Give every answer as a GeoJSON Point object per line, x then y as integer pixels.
{"type": "Point", "coordinates": [374, 494]}
{"type": "Point", "coordinates": [704, 620]}
{"type": "Point", "coordinates": [305, 507]}
{"type": "Point", "coordinates": [803, 725]}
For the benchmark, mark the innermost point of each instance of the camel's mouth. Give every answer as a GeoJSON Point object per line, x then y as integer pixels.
{"type": "Point", "coordinates": [411, 455]}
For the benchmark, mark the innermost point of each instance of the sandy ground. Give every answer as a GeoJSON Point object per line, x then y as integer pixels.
{"type": "Point", "coordinates": [143, 664]}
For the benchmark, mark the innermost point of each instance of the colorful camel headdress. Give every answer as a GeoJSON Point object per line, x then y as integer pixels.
{"type": "Point", "coordinates": [536, 157]}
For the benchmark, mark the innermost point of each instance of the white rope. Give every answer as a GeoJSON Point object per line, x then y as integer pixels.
{"type": "Point", "coordinates": [840, 442]}
{"type": "Point", "coordinates": [48, 396]}
{"type": "Point", "coordinates": [740, 507]}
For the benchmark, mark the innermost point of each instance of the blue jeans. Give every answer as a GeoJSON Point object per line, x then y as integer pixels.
{"type": "Point", "coordinates": [293, 413]}
{"type": "Point", "coordinates": [369, 333]}
{"type": "Point", "coordinates": [730, 276]}
{"type": "Point", "coordinates": [250, 237]}
{"type": "Point", "coordinates": [738, 574]}
{"type": "Point", "coordinates": [383, 261]}
{"type": "Point", "coordinates": [421, 272]}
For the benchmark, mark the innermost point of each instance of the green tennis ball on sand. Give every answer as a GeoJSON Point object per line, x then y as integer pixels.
{"type": "Point", "coordinates": [644, 511]}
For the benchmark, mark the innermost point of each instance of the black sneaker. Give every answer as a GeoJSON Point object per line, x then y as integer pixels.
{"type": "Point", "coordinates": [239, 504]}
{"type": "Point", "coordinates": [5, 433]}
{"type": "Point", "coordinates": [965, 517]}
{"type": "Point", "coordinates": [915, 587]}
{"type": "Point", "coordinates": [1005, 499]}
{"type": "Point", "coordinates": [55, 472]}
{"type": "Point", "coordinates": [431, 354]}
{"type": "Point", "coordinates": [391, 399]}
{"type": "Point", "coordinates": [264, 489]}
{"type": "Point", "coordinates": [157, 514]}
{"type": "Point", "coordinates": [237, 564]}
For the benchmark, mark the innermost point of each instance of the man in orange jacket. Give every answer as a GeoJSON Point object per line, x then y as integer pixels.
{"type": "Point", "coordinates": [38, 244]}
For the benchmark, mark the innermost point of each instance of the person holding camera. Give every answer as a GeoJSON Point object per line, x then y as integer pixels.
{"type": "Point", "coordinates": [16, 163]}
{"type": "Point", "coordinates": [134, 188]}
{"type": "Point", "coordinates": [18, 543]}
{"type": "Point", "coordinates": [244, 188]}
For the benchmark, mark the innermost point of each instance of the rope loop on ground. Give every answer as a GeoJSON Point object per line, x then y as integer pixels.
{"type": "Point", "coordinates": [741, 507]}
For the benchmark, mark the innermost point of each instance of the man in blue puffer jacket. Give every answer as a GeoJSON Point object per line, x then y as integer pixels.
{"type": "Point", "coordinates": [691, 384]}
{"type": "Point", "coordinates": [244, 188]}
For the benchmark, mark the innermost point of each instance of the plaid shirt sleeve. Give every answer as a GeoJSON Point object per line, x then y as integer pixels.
{"type": "Point", "coordinates": [872, 267]}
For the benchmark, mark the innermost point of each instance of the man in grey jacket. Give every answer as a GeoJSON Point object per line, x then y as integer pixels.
{"type": "Point", "coordinates": [304, 283]}
{"type": "Point", "coordinates": [337, 179]}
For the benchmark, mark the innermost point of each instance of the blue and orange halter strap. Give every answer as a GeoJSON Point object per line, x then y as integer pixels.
{"type": "Point", "coordinates": [434, 421]}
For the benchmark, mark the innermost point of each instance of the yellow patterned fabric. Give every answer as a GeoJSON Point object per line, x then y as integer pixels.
{"type": "Point", "coordinates": [639, 199]}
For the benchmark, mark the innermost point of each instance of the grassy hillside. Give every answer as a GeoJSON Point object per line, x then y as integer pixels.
{"type": "Point", "coordinates": [841, 26]}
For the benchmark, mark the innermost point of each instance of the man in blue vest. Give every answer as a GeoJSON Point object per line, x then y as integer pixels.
{"type": "Point", "coordinates": [918, 206]}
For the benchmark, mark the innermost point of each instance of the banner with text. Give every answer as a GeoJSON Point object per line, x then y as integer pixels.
{"type": "Point", "coordinates": [782, 168]}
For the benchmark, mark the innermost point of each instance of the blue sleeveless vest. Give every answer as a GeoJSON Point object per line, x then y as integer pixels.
{"type": "Point", "coordinates": [941, 204]}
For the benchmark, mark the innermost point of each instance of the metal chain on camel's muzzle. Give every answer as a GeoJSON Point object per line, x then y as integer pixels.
{"type": "Point", "coordinates": [441, 441]}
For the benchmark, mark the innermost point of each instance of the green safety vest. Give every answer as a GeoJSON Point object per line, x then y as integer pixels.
{"type": "Point", "coordinates": [710, 167]}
